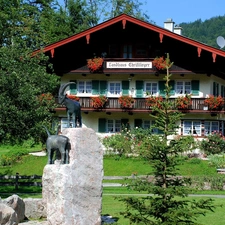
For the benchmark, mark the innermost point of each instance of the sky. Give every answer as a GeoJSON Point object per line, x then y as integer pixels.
{"type": "Point", "coordinates": [182, 10]}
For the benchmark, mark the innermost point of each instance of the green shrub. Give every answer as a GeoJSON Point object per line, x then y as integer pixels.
{"type": "Point", "coordinates": [217, 161]}
{"type": "Point", "coordinates": [118, 143]}
{"type": "Point", "coordinates": [12, 156]}
{"type": "Point", "coordinates": [213, 145]}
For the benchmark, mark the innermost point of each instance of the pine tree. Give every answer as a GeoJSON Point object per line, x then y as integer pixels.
{"type": "Point", "coordinates": [168, 203]}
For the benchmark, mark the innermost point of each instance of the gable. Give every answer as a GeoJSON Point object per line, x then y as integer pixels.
{"type": "Point", "coordinates": [124, 21]}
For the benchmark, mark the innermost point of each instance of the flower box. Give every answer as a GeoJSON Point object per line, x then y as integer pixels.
{"type": "Point", "coordinates": [184, 102]}
{"type": "Point", "coordinates": [98, 102]}
{"type": "Point", "coordinates": [154, 102]}
{"type": "Point", "coordinates": [214, 103]}
{"type": "Point", "coordinates": [73, 97]}
{"type": "Point", "coordinates": [126, 101]}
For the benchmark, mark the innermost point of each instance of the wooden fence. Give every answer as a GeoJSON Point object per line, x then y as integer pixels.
{"type": "Point", "coordinates": [19, 181]}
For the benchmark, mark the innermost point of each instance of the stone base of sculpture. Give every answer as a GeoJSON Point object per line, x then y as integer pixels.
{"type": "Point", "coordinates": [72, 192]}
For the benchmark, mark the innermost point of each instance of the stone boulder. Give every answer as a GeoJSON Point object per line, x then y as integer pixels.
{"type": "Point", "coordinates": [72, 192]}
{"type": "Point", "coordinates": [8, 215]}
{"type": "Point", "coordinates": [17, 204]}
{"type": "Point", "coordinates": [34, 208]}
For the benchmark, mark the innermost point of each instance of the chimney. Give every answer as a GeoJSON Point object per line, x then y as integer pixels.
{"type": "Point", "coordinates": [169, 25]}
{"type": "Point", "coordinates": [178, 29]}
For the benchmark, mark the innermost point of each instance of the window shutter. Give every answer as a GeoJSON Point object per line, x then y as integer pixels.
{"type": "Point", "coordinates": [125, 87]}
{"type": "Point", "coordinates": [95, 87]}
{"type": "Point", "coordinates": [138, 123]}
{"type": "Point", "coordinates": [124, 123]}
{"type": "Point", "coordinates": [101, 125]}
{"type": "Point", "coordinates": [214, 88]}
{"type": "Point", "coordinates": [139, 88]}
{"type": "Point", "coordinates": [172, 85]}
{"type": "Point", "coordinates": [73, 88]}
{"type": "Point", "coordinates": [222, 91]}
{"type": "Point", "coordinates": [217, 89]}
{"type": "Point", "coordinates": [103, 87]}
{"type": "Point", "coordinates": [162, 88]}
{"type": "Point", "coordinates": [195, 87]}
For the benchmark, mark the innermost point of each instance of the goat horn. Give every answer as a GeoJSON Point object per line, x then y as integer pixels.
{"type": "Point", "coordinates": [63, 87]}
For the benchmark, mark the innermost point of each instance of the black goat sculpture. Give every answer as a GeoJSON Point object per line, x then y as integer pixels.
{"type": "Point", "coordinates": [56, 143]}
{"type": "Point", "coordinates": [73, 107]}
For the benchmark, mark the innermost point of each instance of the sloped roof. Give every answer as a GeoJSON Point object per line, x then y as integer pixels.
{"type": "Point", "coordinates": [124, 18]}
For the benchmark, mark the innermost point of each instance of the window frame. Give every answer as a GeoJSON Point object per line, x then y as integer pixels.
{"type": "Point", "coordinates": [109, 94]}
{"type": "Point", "coordinates": [151, 82]}
{"type": "Point", "coordinates": [84, 92]}
{"type": "Point", "coordinates": [183, 87]}
{"type": "Point", "coordinates": [192, 129]}
{"type": "Point", "coordinates": [208, 132]}
{"type": "Point", "coordinates": [115, 126]}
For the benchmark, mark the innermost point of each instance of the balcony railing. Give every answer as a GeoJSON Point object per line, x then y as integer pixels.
{"type": "Point", "coordinates": [197, 105]}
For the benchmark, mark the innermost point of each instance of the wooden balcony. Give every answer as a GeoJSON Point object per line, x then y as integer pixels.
{"type": "Point", "coordinates": [139, 106]}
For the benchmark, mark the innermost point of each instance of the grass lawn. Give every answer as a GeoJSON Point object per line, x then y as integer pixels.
{"type": "Point", "coordinates": [31, 165]}
{"type": "Point", "coordinates": [112, 206]}
{"type": "Point", "coordinates": [6, 148]}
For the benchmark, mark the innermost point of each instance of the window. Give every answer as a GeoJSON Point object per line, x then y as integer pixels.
{"type": "Point", "coordinates": [151, 88]}
{"type": "Point", "coordinates": [113, 126]}
{"type": "Point", "coordinates": [211, 126]}
{"type": "Point", "coordinates": [84, 87]}
{"type": "Point", "coordinates": [141, 50]}
{"type": "Point", "coordinates": [114, 88]}
{"type": "Point", "coordinates": [127, 51]}
{"type": "Point", "coordinates": [183, 87]}
{"type": "Point", "coordinates": [192, 128]}
{"type": "Point", "coordinates": [147, 125]}
{"type": "Point", "coordinates": [215, 89]}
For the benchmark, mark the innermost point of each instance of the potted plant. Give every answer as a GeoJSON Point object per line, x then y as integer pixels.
{"type": "Point", "coordinates": [95, 64]}
{"type": "Point", "coordinates": [214, 102]}
{"type": "Point", "coordinates": [73, 97]}
{"type": "Point", "coordinates": [126, 101]}
{"type": "Point", "coordinates": [99, 101]}
{"type": "Point", "coordinates": [183, 102]}
{"type": "Point", "coordinates": [154, 102]}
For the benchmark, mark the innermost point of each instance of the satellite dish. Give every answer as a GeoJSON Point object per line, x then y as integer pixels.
{"type": "Point", "coordinates": [220, 41]}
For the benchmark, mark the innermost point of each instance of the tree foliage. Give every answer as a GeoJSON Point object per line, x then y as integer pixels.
{"type": "Point", "coordinates": [205, 31]}
{"type": "Point", "coordinates": [23, 78]}
{"type": "Point", "coordinates": [168, 205]}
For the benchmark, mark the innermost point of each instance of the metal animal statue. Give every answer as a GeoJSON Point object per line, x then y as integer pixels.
{"type": "Point", "coordinates": [73, 107]}
{"type": "Point", "coordinates": [57, 143]}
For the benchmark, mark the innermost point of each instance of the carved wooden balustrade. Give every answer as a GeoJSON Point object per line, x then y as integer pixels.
{"type": "Point", "coordinates": [197, 105]}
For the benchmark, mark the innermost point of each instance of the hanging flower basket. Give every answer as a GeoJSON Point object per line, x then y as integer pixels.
{"type": "Point", "coordinates": [73, 97]}
{"type": "Point", "coordinates": [184, 102]}
{"type": "Point", "coordinates": [154, 102]}
{"type": "Point", "coordinates": [214, 103]}
{"type": "Point", "coordinates": [98, 102]}
{"type": "Point", "coordinates": [160, 63]}
{"type": "Point", "coordinates": [126, 101]}
{"type": "Point", "coordinates": [95, 64]}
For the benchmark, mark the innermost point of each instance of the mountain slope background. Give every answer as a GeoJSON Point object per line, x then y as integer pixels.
{"type": "Point", "coordinates": [205, 31]}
